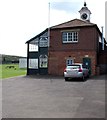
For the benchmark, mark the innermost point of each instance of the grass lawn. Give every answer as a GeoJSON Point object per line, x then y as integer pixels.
{"type": "Point", "coordinates": [11, 72]}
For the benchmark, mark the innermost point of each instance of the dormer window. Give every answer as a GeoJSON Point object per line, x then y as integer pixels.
{"type": "Point", "coordinates": [70, 37]}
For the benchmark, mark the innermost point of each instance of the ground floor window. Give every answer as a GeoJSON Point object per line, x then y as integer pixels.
{"type": "Point", "coordinates": [43, 61]}
{"type": "Point", "coordinates": [69, 61]}
{"type": "Point", "coordinates": [33, 63]}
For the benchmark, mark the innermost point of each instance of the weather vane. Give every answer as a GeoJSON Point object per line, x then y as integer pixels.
{"type": "Point", "coordinates": [85, 3]}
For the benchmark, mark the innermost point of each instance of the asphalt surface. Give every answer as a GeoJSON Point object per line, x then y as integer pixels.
{"type": "Point", "coordinates": [52, 97]}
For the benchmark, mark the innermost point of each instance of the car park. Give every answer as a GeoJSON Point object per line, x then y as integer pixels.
{"type": "Point", "coordinates": [76, 70]}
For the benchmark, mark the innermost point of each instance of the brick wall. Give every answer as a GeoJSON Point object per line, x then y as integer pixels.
{"type": "Point", "coordinates": [57, 60]}
{"type": "Point", "coordinates": [103, 57]}
{"type": "Point", "coordinates": [86, 39]}
{"type": "Point", "coordinates": [103, 62]}
{"type": "Point", "coordinates": [87, 45]}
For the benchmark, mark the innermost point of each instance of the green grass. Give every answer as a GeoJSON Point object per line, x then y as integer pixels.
{"type": "Point", "coordinates": [11, 72]}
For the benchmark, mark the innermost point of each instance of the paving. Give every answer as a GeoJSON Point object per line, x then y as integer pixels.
{"type": "Point", "coordinates": [52, 97]}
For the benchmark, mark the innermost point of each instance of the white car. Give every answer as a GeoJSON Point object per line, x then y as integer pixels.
{"type": "Point", "coordinates": [76, 70]}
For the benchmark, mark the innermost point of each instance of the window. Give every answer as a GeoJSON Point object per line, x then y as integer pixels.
{"type": "Point", "coordinates": [43, 63]}
{"type": "Point", "coordinates": [100, 39]}
{"type": "Point", "coordinates": [69, 61]}
{"type": "Point", "coordinates": [33, 63]}
{"type": "Point", "coordinates": [70, 37]}
{"type": "Point", "coordinates": [43, 42]}
{"type": "Point", "coordinates": [73, 67]}
{"type": "Point", "coordinates": [33, 45]}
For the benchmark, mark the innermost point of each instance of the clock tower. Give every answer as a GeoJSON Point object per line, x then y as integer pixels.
{"type": "Point", "coordinates": [85, 13]}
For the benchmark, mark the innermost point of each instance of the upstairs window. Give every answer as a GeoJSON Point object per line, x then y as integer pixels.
{"type": "Point", "coordinates": [33, 46]}
{"type": "Point", "coordinates": [70, 37]}
{"type": "Point", "coordinates": [43, 42]}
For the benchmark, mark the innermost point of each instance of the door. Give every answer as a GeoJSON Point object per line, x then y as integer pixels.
{"type": "Point", "coordinates": [87, 64]}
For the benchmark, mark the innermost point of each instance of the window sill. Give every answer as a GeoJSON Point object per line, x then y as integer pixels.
{"type": "Point", "coordinates": [71, 42]}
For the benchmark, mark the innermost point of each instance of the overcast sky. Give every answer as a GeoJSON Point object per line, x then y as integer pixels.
{"type": "Point", "coordinates": [20, 20]}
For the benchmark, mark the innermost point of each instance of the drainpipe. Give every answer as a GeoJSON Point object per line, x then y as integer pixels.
{"type": "Point", "coordinates": [102, 39]}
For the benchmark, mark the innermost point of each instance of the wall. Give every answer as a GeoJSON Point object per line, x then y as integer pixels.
{"type": "Point", "coordinates": [57, 60]}
{"type": "Point", "coordinates": [86, 39]}
{"type": "Point", "coordinates": [59, 52]}
{"type": "Point", "coordinates": [103, 62]}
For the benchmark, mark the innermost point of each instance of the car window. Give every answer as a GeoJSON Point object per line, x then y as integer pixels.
{"type": "Point", "coordinates": [73, 67]}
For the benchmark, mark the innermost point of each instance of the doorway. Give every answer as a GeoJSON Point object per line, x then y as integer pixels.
{"type": "Point", "coordinates": [87, 64]}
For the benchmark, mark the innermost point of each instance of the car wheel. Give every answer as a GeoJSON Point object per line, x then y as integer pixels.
{"type": "Point", "coordinates": [66, 79]}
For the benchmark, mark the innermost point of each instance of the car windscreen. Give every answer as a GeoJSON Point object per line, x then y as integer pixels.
{"type": "Point", "coordinates": [73, 67]}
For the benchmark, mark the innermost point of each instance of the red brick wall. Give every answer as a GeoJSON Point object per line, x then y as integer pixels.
{"type": "Point", "coordinates": [59, 52]}
{"type": "Point", "coordinates": [57, 60]}
{"type": "Point", "coordinates": [103, 62]}
{"type": "Point", "coordinates": [103, 57]}
{"type": "Point", "coordinates": [86, 39]}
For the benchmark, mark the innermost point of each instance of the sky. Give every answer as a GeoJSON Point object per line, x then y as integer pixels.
{"type": "Point", "coordinates": [21, 20]}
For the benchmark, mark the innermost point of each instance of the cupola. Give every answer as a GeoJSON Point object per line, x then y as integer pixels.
{"type": "Point", "coordinates": [85, 13]}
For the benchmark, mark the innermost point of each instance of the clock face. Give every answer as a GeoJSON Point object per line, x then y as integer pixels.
{"type": "Point", "coordinates": [84, 16]}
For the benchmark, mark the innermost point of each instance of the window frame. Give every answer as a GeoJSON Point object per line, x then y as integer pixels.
{"type": "Point", "coordinates": [43, 41]}
{"type": "Point", "coordinates": [33, 63]}
{"type": "Point", "coordinates": [66, 35]}
{"type": "Point", "coordinates": [34, 45]}
{"type": "Point", "coordinates": [69, 59]}
{"type": "Point", "coordinates": [43, 61]}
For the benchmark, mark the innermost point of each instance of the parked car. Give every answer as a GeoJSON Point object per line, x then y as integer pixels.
{"type": "Point", "coordinates": [76, 70]}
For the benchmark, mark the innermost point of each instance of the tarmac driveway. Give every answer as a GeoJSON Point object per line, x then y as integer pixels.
{"type": "Point", "coordinates": [52, 97]}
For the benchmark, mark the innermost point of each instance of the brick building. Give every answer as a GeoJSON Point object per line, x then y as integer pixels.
{"type": "Point", "coordinates": [75, 41]}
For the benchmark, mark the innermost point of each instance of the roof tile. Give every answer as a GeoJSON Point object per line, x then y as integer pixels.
{"type": "Point", "coordinates": [73, 23]}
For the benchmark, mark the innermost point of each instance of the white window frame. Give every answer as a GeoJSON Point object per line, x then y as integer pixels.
{"type": "Point", "coordinates": [43, 61]}
{"type": "Point", "coordinates": [33, 46]}
{"type": "Point", "coordinates": [43, 42]}
{"type": "Point", "coordinates": [69, 59]}
{"type": "Point", "coordinates": [67, 37]}
{"type": "Point", "coordinates": [33, 63]}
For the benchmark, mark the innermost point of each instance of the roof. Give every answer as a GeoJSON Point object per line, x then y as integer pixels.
{"type": "Point", "coordinates": [73, 23]}
{"type": "Point", "coordinates": [37, 35]}
{"type": "Point", "coordinates": [85, 9]}
{"type": "Point", "coordinates": [70, 24]}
